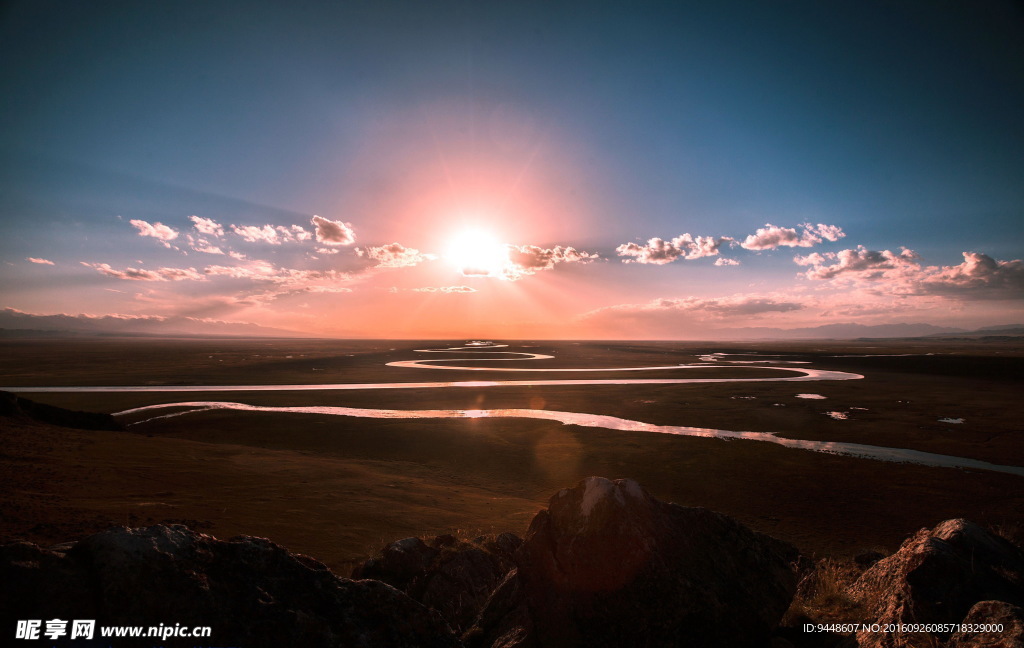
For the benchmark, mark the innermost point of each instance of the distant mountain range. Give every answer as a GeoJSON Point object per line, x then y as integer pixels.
{"type": "Point", "coordinates": [851, 331]}
{"type": "Point", "coordinates": [15, 323]}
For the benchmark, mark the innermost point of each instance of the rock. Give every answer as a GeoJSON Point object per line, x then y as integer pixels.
{"type": "Point", "coordinates": [400, 562]}
{"type": "Point", "coordinates": [444, 540]}
{"type": "Point", "coordinates": [506, 544]}
{"type": "Point", "coordinates": [867, 559]}
{"type": "Point", "coordinates": [608, 565]}
{"type": "Point", "coordinates": [250, 591]}
{"type": "Point", "coordinates": [460, 583]}
{"type": "Point", "coordinates": [1011, 634]}
{"type": "Point", "coordinates": [455, 578]}
{"type": "Point", "coordinates": [936, 576]}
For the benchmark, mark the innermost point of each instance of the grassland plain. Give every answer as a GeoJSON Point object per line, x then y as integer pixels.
{"type": "Point", "coordinates": [338, 487]}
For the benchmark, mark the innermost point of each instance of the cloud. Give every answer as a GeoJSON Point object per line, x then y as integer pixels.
{"type": "Point", "coordinates": [659, 251]}
{"type": "Point", "coordinates": [272, 234]}
{"type": "Point", "coordinates": [395, 255]}
{"type": "Point", "coordinates": [207, 226]}
{"type": "Point", "coordinates": [331, 232]}
{"type": "Point", "coordinates": [738, 305]}
{"type": "Point", "coordinates": [263, 271]}
{"type": "Point", "coordinates": [255, 234]}
{"type": "Point", "coordinates": [978, 277]}
{"type": "Point", "coordinates": [770, 237]}
{"type": "Point", "coordinates": [141, 274]}
{"type": "Point", "coordinates": [158, 231]}
{"type": "Point", "coordinates": [42, 261]}
{"type": "Point", "coordinates": [513, 262]}
{"type": "Point", "coordinates": [722, 261]}
{"type": "Point", "coordinates": [528, 259]}
{"type": "Point", "coordinates": [258, 271]}
{"type": "Point", "coordinates": [237, 255]}
{"type": "Point", "coordinates": [202, 245]}
{"type": "Point", "coordinates": [442, 289]}
{"type": "Point", "coordinates": [687, 315]}
{"type": "Point", "coordinates": [326, 289]}
{"type": "Point", "coordinates": [299, 233]}
{"type": "Point", "coordinates": [861, 263]}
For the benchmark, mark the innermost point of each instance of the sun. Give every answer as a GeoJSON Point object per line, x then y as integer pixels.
{"type": "Point", "coordinates": [477, 253]}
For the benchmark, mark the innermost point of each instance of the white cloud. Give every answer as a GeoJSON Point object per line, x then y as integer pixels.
{"type": "Point", "coordinates": [862, 263]}
{"type": "Point", "coordinates": [202, 245]}
{"type": "Point", "coordinates": [687, 315]}
{"type": "Point", "coordinates": [266, 272]}
{"type": "Point", "coordinates": [331, 232]}
{"type": "Point", "coordinates": [300, 233]}
{"type": "Point", "coordinates": [42, 261]}
{"type": "Point", "coordinates": [256, 234]}
{"type": "Point", "coordinates": [272, 234]}
{"type": "Point", "coordinates": [659, 251]}
{"type": "Point", "coordinates": [141, 274]}
{"type": "Point", "coordinates": [737, 305]}
{"type": "Point", "coordinates": [207, 226]}
{"type": "Point", "coordinates": [327, 289]}
{"type": "Point", "coordinates": [442, 289]}
{"type": "Point", "coordinates": [528, 259]}
{"type": "Point", "coordinates": [770, 236]}
{"type": "Point", "coordinates": [159, 231]}
{"type": "Point", "coordinates": [978, 277]}
{"type": "Point", "coordinates": [395, 255]}
{"type": "Point", "coordinates": [722, 261]}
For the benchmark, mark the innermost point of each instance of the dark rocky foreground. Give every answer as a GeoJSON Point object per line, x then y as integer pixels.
{"type": "Point", "coordinates": [605, 565]}
{"type": "Point", "coordinates": [954, 572]}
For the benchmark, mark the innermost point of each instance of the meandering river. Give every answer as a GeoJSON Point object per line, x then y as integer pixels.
{"type": "Point", "coordinates": [567, 418]}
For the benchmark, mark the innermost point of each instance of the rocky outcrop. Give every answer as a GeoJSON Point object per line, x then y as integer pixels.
{"type": "Point", "coordinates": [250, 591]}
{"type": "Point", "coordinates": [453, 577]}
{"type": "Point", "coordinates": [936, 577]}
{"type": "Point", "coordinates": [994, 624]}
{"type": "Point", "coordinates": [608, 565]}
{"type": "Point", "coordinates": [16, 406]}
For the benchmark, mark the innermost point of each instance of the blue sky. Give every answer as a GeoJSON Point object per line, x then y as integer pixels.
{"type": "Point", "coordinates": [579, 125]}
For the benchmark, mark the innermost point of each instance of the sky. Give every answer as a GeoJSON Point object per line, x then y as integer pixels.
{"type": "Point", "coordinates": [514, 169]}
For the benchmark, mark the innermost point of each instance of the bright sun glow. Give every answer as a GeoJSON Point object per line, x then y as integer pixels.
{"type": "Point", "coordinates": [477, 253]}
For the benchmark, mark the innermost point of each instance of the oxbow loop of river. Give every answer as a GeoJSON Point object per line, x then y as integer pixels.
{"type": "Point", "coordinates": [478, 348]}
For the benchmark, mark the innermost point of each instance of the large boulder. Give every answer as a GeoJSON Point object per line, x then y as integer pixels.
{"type": "Point", "coordinates": [608, 565]}
{"type": "Point", "coordinates": [451, 576]}
{"type": "Point", "coordinates": [250, 591]}
{"type": "Point", "coordinates": [936, 577]}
